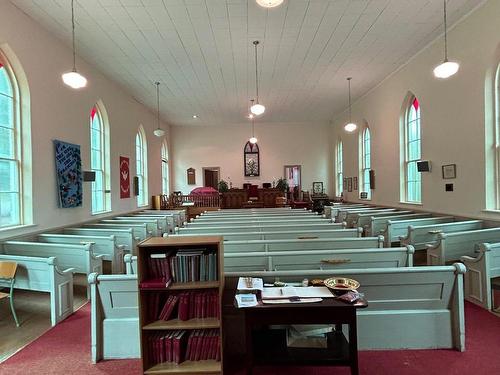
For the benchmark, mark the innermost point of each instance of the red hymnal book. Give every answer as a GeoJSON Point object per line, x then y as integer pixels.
{"type": "Point", "coordinates": [170, 307]}
{"type": "Point", "coordinates": [183, 312]}
{"type": "Point", "coordinates": [199, 345]}
{"type": "Point", "coordinates": [217, 353]}
{"type": "Point", "coordinates": [165, 307]}
{"type": "Point", "coordinates": [178, 344]}
{"type": "Point", "coordinates": [189, 346]}
{"type": "Point", "coordinates": [192, 305]}
{"type": "Point", "coordinates": [155, 283]}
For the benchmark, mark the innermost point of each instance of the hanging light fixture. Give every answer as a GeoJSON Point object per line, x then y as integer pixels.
{"type": "Point", "coordinates": [253, 140]}
{"type": "Point", "coordinates": [159, 132]}
{"type": "Point", "coordinates": [74, 79]}
{"type": "Point", "coordinates": [447, 68]}
{"type": "Point", "coordinates": [269, 3]}
{"type": "Point", "coordinates": [257, 109]}
{"type": "Point", "coordinates": [350, 126]}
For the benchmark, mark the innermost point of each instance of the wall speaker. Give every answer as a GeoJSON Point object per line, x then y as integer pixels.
{"type": "Point", "coordinates": [424, 166]}
{"type": "Point", "coordinates": [136, 185]}
{"type": "Point", "coordinates": [372, 179]}
{"type": "Point", "coordinates": [88, 176]}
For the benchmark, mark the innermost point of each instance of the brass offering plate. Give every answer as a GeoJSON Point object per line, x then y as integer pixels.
{"type": "Point", "coordinates": [341, 283]}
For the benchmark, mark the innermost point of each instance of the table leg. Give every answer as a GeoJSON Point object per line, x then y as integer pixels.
{"type": "Point", "coordinates": [249, 347]}
{"type": "Point", "coordinates": [353, 346]}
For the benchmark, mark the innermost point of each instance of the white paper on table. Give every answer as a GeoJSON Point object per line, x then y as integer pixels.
{"type": "Point", "coordinates": [286, 300]}
{"type": "Point", "coordinates": [294, 291]}
{"type": "Point", "coordinates": [257, 284]}
{"type": "Point", "coordinates": [246, 300]}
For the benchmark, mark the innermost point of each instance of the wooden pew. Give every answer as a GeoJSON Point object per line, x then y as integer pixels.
{"type": "Point", "coordinates": [258, 219]}
{"type": "Point", "coordinates": [451, 246]}
{"type": "Point", "coordinates": [319, 259]}
{"type": "Point", "coordinates": [152, 225]}
{"type": "Point", "coordinates": [140, 230]}
{"type": "Point", "coordinates": [396, 228]}
{"type": "Point", "coordinates": [102, 245]}
{"type": "Point", "coordinates": [422, 235]}
{"type": "Point", "coordinates": [42, 274]}
{"type": "Point", "coordinates": [179, 215]}
{"type": "Point", "coordinates": [248, 213]}
{"type": "Point", "coordinates": [302, 244]}
{"type": "Point", "coordinates": [364, 220]}
{"type": "Point", "coordinates": [166, 223]}
{"type": "Point", "coordinates": [124, 236]}
{"type": "Point", "coordinates": [114, 317]}
{"type": "Point", "coordinates": [343, 212]}
{"type": "Point", "coordinates": [130, 264]}
{"type": "Point", "coordinates": [378, 224]}
{"type": "Point", "coordinates": [408, 307]}
{"type": "Point", "coordinates": [480, 270]}
{"type": "Point", "coordinates": [280, 235]}
{"type": "Point", "coordinates": [245, 222]}
{"type": "Point", "coordinates": [80, 258]}
{"type": "Point", "coordinates": [331, 211]}
{"type": "Point", "coordinates": [259, 228]}
{"type": "Point", "coordinates": [352, 218]}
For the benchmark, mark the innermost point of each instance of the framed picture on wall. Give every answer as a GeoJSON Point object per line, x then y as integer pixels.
{"type": "Point", "coordinates": [449, 171]}
{"type": "Point", "coordinates": [349, 184]}
{"type": "Point", "coordinates": [317, 188]}
{"type": "Point", "coordinates": [355, 183]}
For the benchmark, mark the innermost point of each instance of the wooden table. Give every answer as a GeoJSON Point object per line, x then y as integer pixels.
{"type": "Point", "coordinates": [272, 349]}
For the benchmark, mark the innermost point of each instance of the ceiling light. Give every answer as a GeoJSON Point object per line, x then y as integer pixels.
{"type": "Point", "coordinates": [447, 68]}
{"type": "Point", "coordinates": [195, 116]}
{"type": "Point", "coordinates": [253, 140]}
{"type": "Point", "coordinates": [350, 126]}
{"type": "Point", "coordinates": [159, 132]}
{"type": "Point", "coordinates": [269, 3]}
{"type": "Point", "coordinates": [74, 79]}
{"type": "Point", "coordinates": [257, 109]}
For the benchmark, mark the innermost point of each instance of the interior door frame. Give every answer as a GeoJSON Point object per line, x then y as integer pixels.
{"type": "Point", "coordinates": [299, 167]}
{"type": "Point", "coordinates": [210, 169]}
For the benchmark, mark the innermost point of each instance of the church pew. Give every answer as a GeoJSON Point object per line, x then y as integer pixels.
{"type": "Point", "coordinates": [248, 213]}
{"type": "Point", "coordinates": [260, 228]}
{"type": "Point", "coordinates": [244, 222]}
{"type": "Point", "coordinates": [179, 215]}
{"type": "Point", "coordinates": [140, 231]}
{"type": "Point", "coordinates": [408, 307]}
{"type": "Point", "coordinates": [80, 258]}
{"type": "Point", "coordinates": [152, 226]}
{"type": "Point", "coordinates": [451, 246]}
{"type": "Point", "coordinates": [480, 270]}
{"type": "Point", "coordinates": [166, 223]}
{"type": "Point", "coordinates": [124, 236]}
{"type": "Point", "coordinates": [43, 274]}
{"type": "Point", "coordinates": [343, 212]}
{"type": "Point", "coordinates": [360, 219]}
{"type": "Point", "coordinates": [330, 211]}
{"type": "Point", "coordinates": [254, 218]}
{"type": "Point", "coordinates": [102, 245]}
{"type": "Point", "coordinates": [130, 264]}
{"type": "Point", "coordinates": [280, 235]}
{"type": "Point", "coordinates": [302, 244]}
{"type": "Point", "coordinates": [114, 317]}
{"type": "Point", "coordinates": [319, 259]}
{"type": "Point", "coordinates": [422, 235]}
{"type": "Point", "coordinates": [378, 224]}
{"type": "Point", "coordinates": [396, 228]}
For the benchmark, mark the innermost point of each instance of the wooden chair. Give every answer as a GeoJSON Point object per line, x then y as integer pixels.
{"type": "Point", "coordinates": [7, 278]}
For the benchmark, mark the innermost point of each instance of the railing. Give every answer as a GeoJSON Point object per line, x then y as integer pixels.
{"type": "Point", "coordinates": [199, 200]}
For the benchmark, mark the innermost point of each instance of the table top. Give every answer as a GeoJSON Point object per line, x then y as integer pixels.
{"type": "Point", "coordinates": [325, 303]}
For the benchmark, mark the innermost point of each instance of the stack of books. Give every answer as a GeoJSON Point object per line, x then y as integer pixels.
{"type": "Point", "coordinates": [191, 265]}
{"type": "Point", "coordinates": [185, 306]}
{"type": "Point", "coordinates": [203, 344]}
{"type": "Point", "coordinates": [159, 271]}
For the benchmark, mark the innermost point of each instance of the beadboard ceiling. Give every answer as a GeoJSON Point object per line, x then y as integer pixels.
{"type": "Point", "coordinates": [201, 50]}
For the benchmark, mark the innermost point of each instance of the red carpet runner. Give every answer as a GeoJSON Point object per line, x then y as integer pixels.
{"type": "Point", "coordinates": [65, 349]}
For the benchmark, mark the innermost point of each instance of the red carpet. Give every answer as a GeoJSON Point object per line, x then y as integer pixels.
{"type": "Point", "coordinates": [65, 349]}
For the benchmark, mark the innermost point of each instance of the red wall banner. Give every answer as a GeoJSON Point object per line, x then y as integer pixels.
{"type": "Point", "coordinates": [124, 177]}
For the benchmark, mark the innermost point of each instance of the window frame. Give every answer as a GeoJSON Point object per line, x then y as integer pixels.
{"type": "Point", "coordinates": [339, 168]}
{"type": "Point", "coordinates": [142, 162]}
{"type": "Point", "coordinates": [364, 177]}
{"type": "Point", "coordinates": [165, 172]}
{"type": "Point", "coordinates": [406, 151]}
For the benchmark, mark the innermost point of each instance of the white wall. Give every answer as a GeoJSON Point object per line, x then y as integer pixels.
{"type": "Point", "coordinates": [455, 114]}
{"type": "Point", "coordinates": [58, 112]}
{"type": "Point", "coordinates": [280, 145]}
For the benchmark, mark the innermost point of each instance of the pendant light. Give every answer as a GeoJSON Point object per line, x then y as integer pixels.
{"type": "Point", "coordinates": [447, 68]}
{"type": "Point", "coordinates": [253, 140]}
{"type": "Point", "coordinates": [350, 126]}
{"type": "Point", "coordinates": [257, 109]}
{"type": "Point", "coordinates": [269, 3]}
{"type": "Point", "coordinates": [159, 132]}
{"type": "Point", "coordinates": [74, 79]}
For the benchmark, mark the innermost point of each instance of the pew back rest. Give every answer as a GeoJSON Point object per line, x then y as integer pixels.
{"type": "Point", "coordinates": [396, 228]}
{"type": "Point", "coordinates": [123, 237]}
{"type": "Point", "coordinates": [167, 222]}
{"type": "Point", "coordinates": [260, 223]}
{"type": "Point", "coordinates": [152, 226]}
{"type": "Point", "coordinates": [378, 224]}
{"type": "Point", "coordinates": [352, 217]}
{"type": "Point", "coordinates": [130, 264]}
{"type": "Point", "coordinates": [139, 231]}
{"type": "Point", "coordinates": [258, 227]}
{"type": "Point", "coordinates": [364, 220]}
{"type": "Point", "coordinates": [342, 213]}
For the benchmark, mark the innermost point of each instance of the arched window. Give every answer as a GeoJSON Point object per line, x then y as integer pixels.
{"type": "Point", "coordinates": [412, 186]}
{"type": "Point", "coordinates": [339, 168]}
{"type": "Point", "coordinates": [164, 168]}
{"type": "Point", "coordinates": [141, 162]}
{"type": "Point", "coordinates": [365, 163]}
{"type": "Point", "coordinates": [99, 161]}
{"type": "Point", "coordinates": [15, 149]}
{"type": "Point", "coordinates": [497, 136]}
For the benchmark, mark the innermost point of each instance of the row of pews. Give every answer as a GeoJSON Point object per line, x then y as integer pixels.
{"type": "Point", "coordinates": [47, 261]}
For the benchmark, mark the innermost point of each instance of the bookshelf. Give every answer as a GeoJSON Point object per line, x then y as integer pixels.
{"type": "Point", "coordinates": [180, 291]}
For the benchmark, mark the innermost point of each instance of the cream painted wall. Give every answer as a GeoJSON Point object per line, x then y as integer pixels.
{"type": "Point", "coordinates": [280, 144]}
{"type": "Point", "coordinates": [455, 114]}
{"type": "Point", "coordinates": [58, 112]}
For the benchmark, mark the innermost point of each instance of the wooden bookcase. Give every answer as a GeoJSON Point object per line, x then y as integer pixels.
{"type": "Point", "coordinates": [153, 326]}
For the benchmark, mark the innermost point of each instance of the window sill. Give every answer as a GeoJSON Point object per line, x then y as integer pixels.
{"type": "Point", "coordinates": [411, 203]}
{"type": "Point", "coordinates": [17, 227]}
{"type": "Point", "coordinates": [491, 211]}
{"type": "Point", "coordinates": [101, 213]}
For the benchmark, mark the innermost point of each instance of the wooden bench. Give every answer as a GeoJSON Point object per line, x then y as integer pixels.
{"type": "Point", "coordinates": [280, 235]}
{"type": "Point", "coordinates": [140, 231]}
{"type": "Point", "coordinates": [166, 223]}
{"type": "Point", "coordinates": [124, 236]}
{"type": "Point", "coordinates": [260, 220]}
{"type": "Point", "coordinates": [452, 246]}
{"type": "Point", "coordinates": [480, 271]}
{"type": "Point", "coordinates": [378, 224]}
{"type": "Point", "coordinates": [80, 258]}
{"type": "Point", "coordinates": [102, 245]}
{"type": "Point", "coordinates": [319, 259]}
{"type": "Point", "coordinates": [343, 212]}
{"type": "Point", "coordinates": [114, 317]}
{"type": "Point", "coordinates": [364, 220]}
{"type": "Point", "coordinates": [352, 218]}
{"type": "Point", "coordinates": [152, 225]}
{"type": "Point", "coordinates": [130, 264]}
{"type": "Point", "coordinates": [422, 235]}
{"type": "Point", "coordinates": [302, 244]}
{"type": "Point", "coordinates": [408, 307]}
{"type": "Point", "coordinates": [42, 274]}
{"type": "Point", "coordinates": [331, 211]}
{"type": "Point", "coordinates": [258, 228]}
{"type": "Point", "coordinates": [179, 215]}
{"type": "Point", "coordinates": [396, 228]}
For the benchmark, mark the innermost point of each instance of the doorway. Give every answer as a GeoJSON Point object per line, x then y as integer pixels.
{"type": "Point", "coordinates": [211, 177]}
{"type": "Point", "coordinates": [293, 176]}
